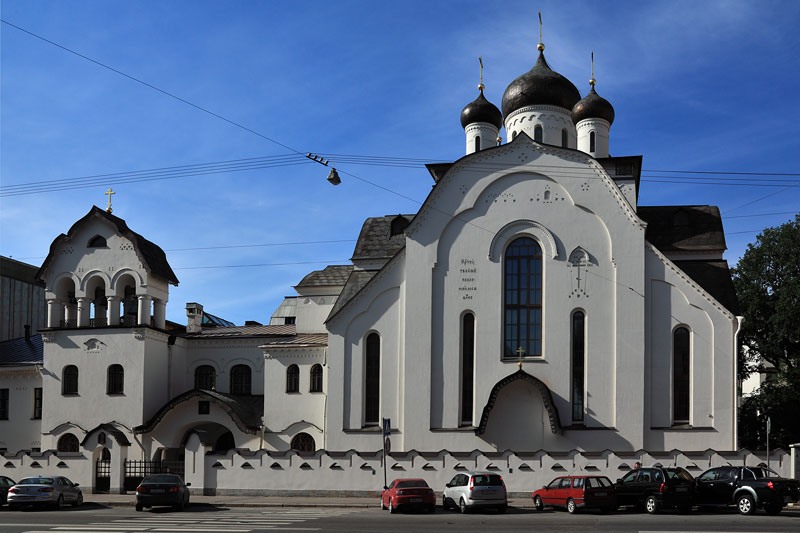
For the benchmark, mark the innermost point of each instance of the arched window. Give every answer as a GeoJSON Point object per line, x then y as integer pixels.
{"type": "Point", "coordinates": [205, 377]}
{"type": "Point", "coordinates": [591, 141]}
{"type": "Point", "coordinates": [98, 241]}
{"type": "Point", "coordinates": [477, 143]}
{"type": "Point", "coordinates": [578, 364]}
{"type": "Point", "coordinates": [681, 376]}
{"type": "Point", "coordinates": [467, 367]}
{"type": "Point", "coordinates": [241, 380]}
{"type": "Point", "coordinates": [316, 379]}
{"type": "Point", "coordinates": [564, 138]}
{"type": "Point", "coordinates": [522, 289]}
{"type": "Point", "coordinates": [372, 380]}
{"type": "Point", "coordinates": [304, 443]}
{"type": "Point", "coordinates": [69, 380]}
{"type": "Point", "coordinates": [293, 379]}
{"type": "Point", "coordinates": [538, 133]}
{"type": "Point", "coordinates": [116, 380]}
{"type": "Point", "coordinates": [68, 443]}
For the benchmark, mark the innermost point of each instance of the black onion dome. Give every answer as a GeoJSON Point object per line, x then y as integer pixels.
{"type": "Point", "coordinates": [593, 106]}
{"type": "Point", "coordinates": [541, 85]}
{"type": "Point", "coordinates": [481, 110]}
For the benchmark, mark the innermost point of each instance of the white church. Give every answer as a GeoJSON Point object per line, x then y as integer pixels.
{"type": "Point", "coordinates": [530, 318]}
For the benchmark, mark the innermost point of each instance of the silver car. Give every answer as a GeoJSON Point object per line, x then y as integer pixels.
{"type": "Point", "coordinates": [472, 490]}
{"type": "Point", "coordinates": [44, 490]}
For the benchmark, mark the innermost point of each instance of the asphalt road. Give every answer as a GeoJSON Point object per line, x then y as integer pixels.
{"type": "Point", "coordinates": [92, 518]}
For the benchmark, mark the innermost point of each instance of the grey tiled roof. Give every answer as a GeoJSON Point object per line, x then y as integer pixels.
{"type": "Point", "coordinates": [245, 331]}
{"type": "Point", "coordinates": [376, 241]}
{"type": "Point", "coordinates": [684, 228]}
{"type": "Point", "coordinates": [152, 255]}
{"type": "Point", "coordinates": [301, 339]}
{"type": "Point", "coordinates": [331, 275]}
{"type": "Point", "coordinates": [21, 351]}
{"type": "Point", "coordinates": [358, 279]}
{"type": "Point", "coordinates": [715, 278]}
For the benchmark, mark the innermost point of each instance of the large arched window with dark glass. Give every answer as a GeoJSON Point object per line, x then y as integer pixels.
{"type": "Point", "coordinates": [522, 291]}
{"type": "Point", "coordinates": [681, 376]}
{"type": "Point", "coordinates": [538, 133]}
{"type": "Point", "coordinates": [578, 365]}
{"type": "Point", "coordinates": [372, 380]}
{"type": "Point", "coordinates": [241, 380]}
{"type": "Point", "coordinates": [205, 377]}
{"type": "Point", "coordinates": [115, 384]}
{"type": "Point", "coordinates": [69, 380]}
{"type": "Point", "coordinates": [315, 378]}
{"type": "Point", "coordinates": [68, 443]}
{"type": "Point", "coordinates": [467, 367]}
{"type": "Point", "coordinates": [304, 443]}
{"type": "Point", "coordinates": [293, 379]}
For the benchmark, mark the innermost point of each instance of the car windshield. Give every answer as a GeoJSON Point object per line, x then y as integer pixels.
{"type": "Point", "coordinates": [160, 479]}
{"type": "Point", "coordinates": [486, 480]}
{"type": "Point", "coordinates": [411, 484]}
{"type": "Point", "coordinates": [36, 481]}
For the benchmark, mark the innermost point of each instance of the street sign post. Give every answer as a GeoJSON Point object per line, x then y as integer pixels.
{"type": "Point", "coordinates": [387, 445]}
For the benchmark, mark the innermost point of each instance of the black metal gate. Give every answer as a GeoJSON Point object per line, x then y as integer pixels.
{"type": "Point", "coordinates": [102, 475]}
{"type": "Point", "coordinates": [135, 471]}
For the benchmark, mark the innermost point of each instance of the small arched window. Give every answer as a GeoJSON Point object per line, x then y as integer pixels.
{"type": "Point", "coordinates": [116, 380]}
{"type": "Point", "coordinates": [591, 141]}
{"type": "Point", "coordinates": [205, 377]}
{"type": "Point", "coordinates": [372, 380]}
{"type": "Point", "coordinates": [316, 378]}
{"type": "Point", "coordinates": [69, 380]}
{"type": "Point", "coordinates": [304, 443]}
{"type": "Point", "coordinates": [564, 138]}
{"type": "Point", "coordinates": [681, 376]}
{"type": "Point", "coordinates": [98, 241]}
{"type": "Point", "coordinates": [241, 380]}
{"type": "Point", "coordinates": [68, 443]}
{"type": "Point", "coordinates": [522, 292]}
{"type": "Point", "coordinates": [293, 379]}
{"type": "Point", "coordinates": [478, 143]}
{"type": "Point", "coordinates": [538, 133]}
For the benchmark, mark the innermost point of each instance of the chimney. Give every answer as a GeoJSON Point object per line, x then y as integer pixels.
{"type": "Point", "coordinates": [194, 315]}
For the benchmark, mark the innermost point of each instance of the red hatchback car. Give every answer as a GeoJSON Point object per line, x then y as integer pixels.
{"type": "Point", "coordinates": [407, 493]}
{"type": "Point", "coordinates": [577, 492]}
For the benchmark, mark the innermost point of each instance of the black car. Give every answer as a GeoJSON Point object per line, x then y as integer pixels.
{"type": "Point", "coordinates": [161, 490]}
{"type": "Point", "coordinates": [746, 487]}
{"type": "Point", "coordinates": [655, 488]}
{"type": "Point", "coordinates": [5, 484]}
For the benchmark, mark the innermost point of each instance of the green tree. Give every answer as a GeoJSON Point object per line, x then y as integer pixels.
{"type": "Point", "coordinates": [767, 281]}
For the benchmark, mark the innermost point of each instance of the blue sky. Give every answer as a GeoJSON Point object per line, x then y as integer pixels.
{"type": "Point", "coordinates": [697, 86]}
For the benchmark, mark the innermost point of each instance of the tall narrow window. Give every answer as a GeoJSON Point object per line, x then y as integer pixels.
{"type": "Point", "coordinates": [316, 378]}
{"type": "Point", "coordinates": [69, 380]}
{"type": "Point", "coordinates": [564, 138]}
{"type": "Point", "coordinates": [522, 287]}
{"type": "Point", "coordinates": [116, 380]}
{"type": "Point", "coordinates": [467, 367]}
{"type": "Point", "coordinates": [37, 403]}
{"type": "Point", "coordinates": [293, 379]}
{"type": "Point", "coordinates": [205, 377]}
{"type": "Point", "coordinates": [681, 373]}
{"type": "Point", "coordinates": [4, 407]}
{"type": "Point", "coordinates": [538, 133]}
{"type": "Point", "coordinates": [68, 443]}
{"type": "Point", "coordinates": [241, 380]}
{"type": "Point", "coordinates": [591, 141]}
{"type": "Point", "coordinates": [372, 380]}
{"type": "Point", "coordinates": [578, 364]}
{"type": "Point", "coordinates": [478, 143]}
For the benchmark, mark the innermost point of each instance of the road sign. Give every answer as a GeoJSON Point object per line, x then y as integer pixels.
{"type": "Point", "coordinates": [387, 422]}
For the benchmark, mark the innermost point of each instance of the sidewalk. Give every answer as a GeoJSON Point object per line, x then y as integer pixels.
{"type": "Point", "coordinates": [128, 500]}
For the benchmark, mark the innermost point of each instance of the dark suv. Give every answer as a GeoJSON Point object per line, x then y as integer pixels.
{"type": "Point", "coordinates": [656, 488]}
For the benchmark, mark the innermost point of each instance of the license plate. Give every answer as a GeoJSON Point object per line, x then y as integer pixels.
{"type": "Point", "coordinates": [416, 500]}
{"type": "Point", "coordinates": [599, 493]}
{"type": "Point", "coordinates": [157, 491]}
{"type": "Point", "coordinates": [682, 489]}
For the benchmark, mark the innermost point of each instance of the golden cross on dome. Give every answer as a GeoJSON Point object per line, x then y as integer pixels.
{"type": "Point", "coordinates": [540, 46]}
{"type": "Point", "coordinates": [521, 353]}
{"type": "Point", "coordinates": [480, 62]}
{"type": "Point", "coordinates": [108, 193]}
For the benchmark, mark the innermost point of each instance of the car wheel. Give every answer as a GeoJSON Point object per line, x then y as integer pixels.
{"type": "Point", "coordinates": [60, 502]}
{"type": "Point", "coordinates": [502, 509]}
{"type": "Point", "coordinates": [445, 505]}
{"type": "Point", "coordinates": [745, 504]}
{"type": "Point", "coordinates": [773, 509]}
{"type": "Point", "coordinates": [432, 508]}
{"type": "Point", "coordinates": [392, 508]}
{"type": "Point", "coordinates": [462, 506]}
{"type": "Point", "coordinates": [538, 504]}
{"type": "Point", "coordinates": [685, 508]}
{"type": "Point", "coordinates": [571, 507]}
{"type": "Point", "coordinates": [78, 500]}
{"type": "Point", "coordinates": [383, 505]}
{"type": "Point", "coordinates": [651, 505]}
{"type": "Point", "coordinates": [139, 507]}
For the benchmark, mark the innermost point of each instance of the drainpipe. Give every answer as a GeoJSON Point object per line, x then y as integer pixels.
{"type": "Point", "coordinates": [739, 321]}
{"type": "Point", "coordinates": [325, 402]}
